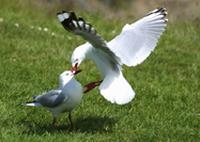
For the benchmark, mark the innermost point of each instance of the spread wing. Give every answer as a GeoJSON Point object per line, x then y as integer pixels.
{"type": "Point", "coordinates": [79, 27]}
{"type": "Point", "coordinates": [136, 41]}
{"type": "Point", "coordinates": [52, 98]}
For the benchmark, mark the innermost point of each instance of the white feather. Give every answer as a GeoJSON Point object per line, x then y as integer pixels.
{"type": "Point", "coordinates": [136, 41]}
{"type": "Point", "coordinates": [75, 24]}
{"type": "Point", "coordinates": [60, 17]}
{"type": "Point", "coordinates": [66, 15]}
{"type": "Point", "coordinates": [114, 87]}
{"type": "Point", "coordinates": [81, 23]}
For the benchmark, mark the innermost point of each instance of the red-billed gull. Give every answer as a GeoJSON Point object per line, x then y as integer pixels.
{"type": "Point", "coordinates": [131, 47]}
{"type": "Point", "coordinates": [63, 99]}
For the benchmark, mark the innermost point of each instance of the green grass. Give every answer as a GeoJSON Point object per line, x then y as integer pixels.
{"type": "Point", "coordinates": [166, 107]}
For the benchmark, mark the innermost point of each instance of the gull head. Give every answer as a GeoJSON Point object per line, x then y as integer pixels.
{"type": "Point", "coordinates": [77, 57]}
{"type": "Point", "coordinates": [67, 76]}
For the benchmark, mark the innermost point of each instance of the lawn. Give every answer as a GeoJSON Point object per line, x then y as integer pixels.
{"type": "Point", "coordinates": [166, 107]}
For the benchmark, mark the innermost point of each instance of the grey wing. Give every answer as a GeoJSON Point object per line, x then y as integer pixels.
{"type": "Point", "coordinates": [51, 99]}
{"type": "Point", "coordinates": [79, 27]}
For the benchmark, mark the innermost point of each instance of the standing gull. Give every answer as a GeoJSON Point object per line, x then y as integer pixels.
{"type": "Point", "coordinates": [131, 47]}
{"type": "Point", "coordinates": [63, 99]}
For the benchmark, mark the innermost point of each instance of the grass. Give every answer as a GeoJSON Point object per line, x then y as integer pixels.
{"type": "Point", "coordinates": [166, 107]}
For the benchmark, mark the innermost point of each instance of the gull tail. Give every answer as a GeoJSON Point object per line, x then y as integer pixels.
{"type": "Point", "coordinates": [33, 103]}
{"type": "Point", "coordinates": [116, 89]}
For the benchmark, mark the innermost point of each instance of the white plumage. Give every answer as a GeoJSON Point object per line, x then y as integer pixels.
{"type": "Point", "coordinates": [131, 47]}
{"type": "Point", "coordinates": [63, 99]}
{"type": "Point", "coordinates": [136, 41]}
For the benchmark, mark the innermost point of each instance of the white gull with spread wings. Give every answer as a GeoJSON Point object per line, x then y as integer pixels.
{"type": "Point", "coordinates": [131, 47]}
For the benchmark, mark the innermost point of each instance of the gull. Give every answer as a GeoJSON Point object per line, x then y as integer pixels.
{"type": "Point", "coordinates": [131, 47]}
{"type": "Point", "coordinates": [63, 99]}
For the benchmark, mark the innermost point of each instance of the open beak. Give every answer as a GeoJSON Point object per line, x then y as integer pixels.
{"type": "Point", "coordinates": [78, 71]}
{"type": "Point", "coordinates": [75, 69]}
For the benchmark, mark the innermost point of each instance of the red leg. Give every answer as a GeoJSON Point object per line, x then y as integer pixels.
{"type": "Point", "coordinates": [91, 86]}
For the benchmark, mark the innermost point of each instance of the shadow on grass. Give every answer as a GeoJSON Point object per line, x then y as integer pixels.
{"type": "Point", "coordinates": [95, 124]}
{"type": "Point", "coordinates": [92, 124]}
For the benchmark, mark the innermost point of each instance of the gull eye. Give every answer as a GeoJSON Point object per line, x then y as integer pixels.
{"type": "Point", "coordinates": [67, 74]}
{"type": "Point", "coordinates": [76, 60]}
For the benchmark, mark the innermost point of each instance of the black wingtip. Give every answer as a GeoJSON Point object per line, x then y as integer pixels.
{"type": "Point", "coordinates": [34, 97]}
{"type": "Point", "coordinates": [161, 10]}
{"type": "Point", "coordinates": [30, 102]}
{"type": "Point", "coordinates": [73, 15]}
{"type": "Point", "coordinates": [81, 19]}
{"type": "Point", "coordinates": [67, 22]}
{"type": "Point", "coordinates": [58, 13]}
{"type": "Point", "coordinates": [64, 11]}
{"type": "Point", "coordinates": [72, 23]}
